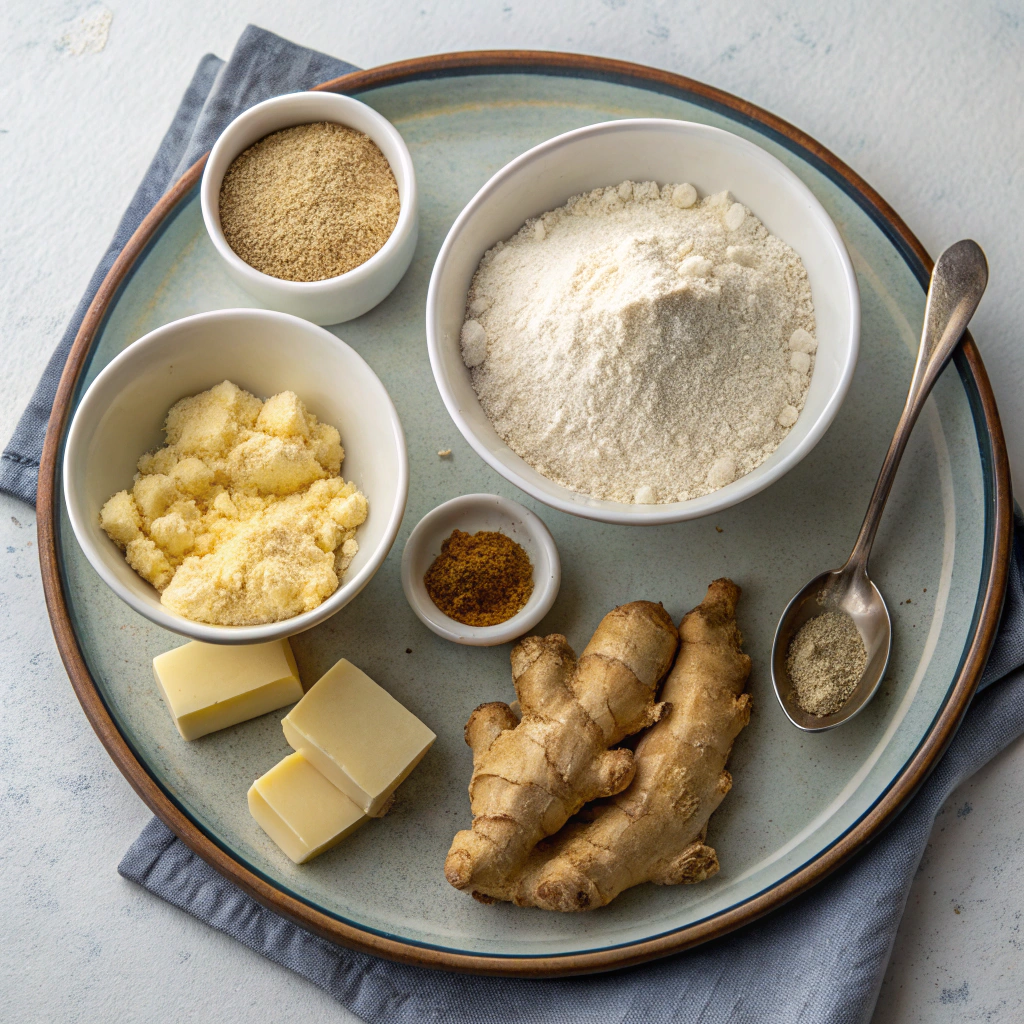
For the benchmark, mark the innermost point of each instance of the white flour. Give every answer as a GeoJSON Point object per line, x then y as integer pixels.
{"type": "Point", "coordinates": [634, 346]}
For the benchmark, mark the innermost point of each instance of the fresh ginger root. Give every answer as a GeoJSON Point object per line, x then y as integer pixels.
{"type": "Point", "coordinates": [531, 775]}
{"type": "Point", "coordinates": [654, 830]}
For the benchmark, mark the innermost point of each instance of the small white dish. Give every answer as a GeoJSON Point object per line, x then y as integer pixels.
{"type": "Point", "coordinates": [336, 299]}
{"type": "Point", "coordinates": [646, 149]}
{"type": "Point", "coordinates": [471, 513]}
{"type": "Point", "coordinates": [122, 414]}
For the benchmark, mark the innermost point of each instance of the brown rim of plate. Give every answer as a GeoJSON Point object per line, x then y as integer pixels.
{"type": "Point", "coordinates": [998, 529]}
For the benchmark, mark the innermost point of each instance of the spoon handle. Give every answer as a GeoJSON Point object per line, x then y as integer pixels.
{"type": "Point", "coordinates": [957, 284]}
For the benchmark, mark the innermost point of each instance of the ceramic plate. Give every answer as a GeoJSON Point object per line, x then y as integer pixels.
{"type": "Point", "coordinates": [800, 803]}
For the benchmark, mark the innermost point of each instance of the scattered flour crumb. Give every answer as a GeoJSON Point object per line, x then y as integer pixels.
{"type": "Point", "coordinates": [788, 416]}
{"type": "Point", "coordinates": [801, 341]}
{"type": "Point", "coordinates": [88, 33]}
{"type": "Point", "coordinates": [684, 196]}
{"type": "Point", "coordinates": [474, 343]}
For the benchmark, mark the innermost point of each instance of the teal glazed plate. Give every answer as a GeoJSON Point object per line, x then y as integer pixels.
{"type": "Point", "coordinates": [801, 804]}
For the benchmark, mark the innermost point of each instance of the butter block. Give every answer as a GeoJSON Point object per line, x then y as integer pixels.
{"type": "Point", "coordinates": [300, 810]}
{"type": "Point", "coordinates": [211, 686]}
{"type": "Point", "coordinates": [357, 735]}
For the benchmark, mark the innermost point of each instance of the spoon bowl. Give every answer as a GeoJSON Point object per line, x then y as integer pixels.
{"type": "Point", "coordinates": [957, 285]}
{"type": "Point", "coordinates": [842, 591]}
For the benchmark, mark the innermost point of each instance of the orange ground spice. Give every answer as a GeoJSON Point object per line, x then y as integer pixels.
{"type": "Point", "coordinates": [480, 579]}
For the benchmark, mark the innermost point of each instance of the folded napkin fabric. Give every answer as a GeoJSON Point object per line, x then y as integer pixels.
{"type": "Point", "coordinates": [820, 958]}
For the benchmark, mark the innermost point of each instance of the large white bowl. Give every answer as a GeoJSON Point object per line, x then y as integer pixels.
{"type": "Point", "coordinates": [335, 299]}
{"type": "Point", "coordinates": [646, 149]}
{"type": "Point", "coordinates": [122, 416]}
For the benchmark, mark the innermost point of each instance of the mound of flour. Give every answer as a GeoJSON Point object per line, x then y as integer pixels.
{"type": "Point", "coordinates": [640, 345]}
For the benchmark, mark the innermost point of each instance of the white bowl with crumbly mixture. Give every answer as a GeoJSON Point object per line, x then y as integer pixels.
{"type": "Point", "coordinates": [265, 353]}
{"type": "Point", "coordinates": [537, 374]}
{"type": "Point", "coordinates": [334, 299]}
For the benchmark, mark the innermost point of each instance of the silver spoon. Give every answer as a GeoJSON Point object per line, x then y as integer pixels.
{"type": "Point", "coordinates": [957, 284]}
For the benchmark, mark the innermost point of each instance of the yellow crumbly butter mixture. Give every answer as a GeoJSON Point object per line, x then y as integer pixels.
{"type": "Point", "coordinates": [243, 517]}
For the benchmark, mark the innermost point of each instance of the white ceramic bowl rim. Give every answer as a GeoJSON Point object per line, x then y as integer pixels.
{"type": "Point", "coordinates": [207, 632]}
{"type": "Point", "coordinates": [548, 568]}
{"type": "Point", "coordinates": [210, 192]}
{"type": "Point", "coordinates": [646, 515]}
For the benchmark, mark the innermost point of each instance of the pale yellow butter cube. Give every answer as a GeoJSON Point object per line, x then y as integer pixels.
{"type": "Point", "coordinates": [357, 735]}
{"type": "Point", "coordinates": [300, 810]}
{"type": "Point", "coordinates": [211, 686]}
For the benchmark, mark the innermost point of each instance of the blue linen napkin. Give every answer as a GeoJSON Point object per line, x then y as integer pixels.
{"type": "Point", "coordinates": [819, 958]}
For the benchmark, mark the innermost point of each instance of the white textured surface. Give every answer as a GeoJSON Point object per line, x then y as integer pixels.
{"type": "Point", "coordinates": [927, 103]}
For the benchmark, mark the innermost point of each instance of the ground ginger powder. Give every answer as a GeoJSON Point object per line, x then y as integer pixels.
{"type": "Point", "coordinates": [825, 662]}
{"type": "Point", "coordinates": [243, 517]}
{"type": "Point", "coordinates": [310, 202]}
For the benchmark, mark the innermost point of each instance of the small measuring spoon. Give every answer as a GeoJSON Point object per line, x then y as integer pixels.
{"type": "Point", "coordinates": [957, 284]}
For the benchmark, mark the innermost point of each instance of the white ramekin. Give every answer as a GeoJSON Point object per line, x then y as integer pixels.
{"type": "Point", "coordinates": [646, 149]}
{"type": "Point", "coordinates": [471, 513]}
{"type": "Point", "coordinates": [335, 299]}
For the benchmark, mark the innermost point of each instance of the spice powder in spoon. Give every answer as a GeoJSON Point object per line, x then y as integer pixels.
{"type": "Point", "coordinates": [480, 579]}
{"type": "Point", "coordinates": [826, 661]}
